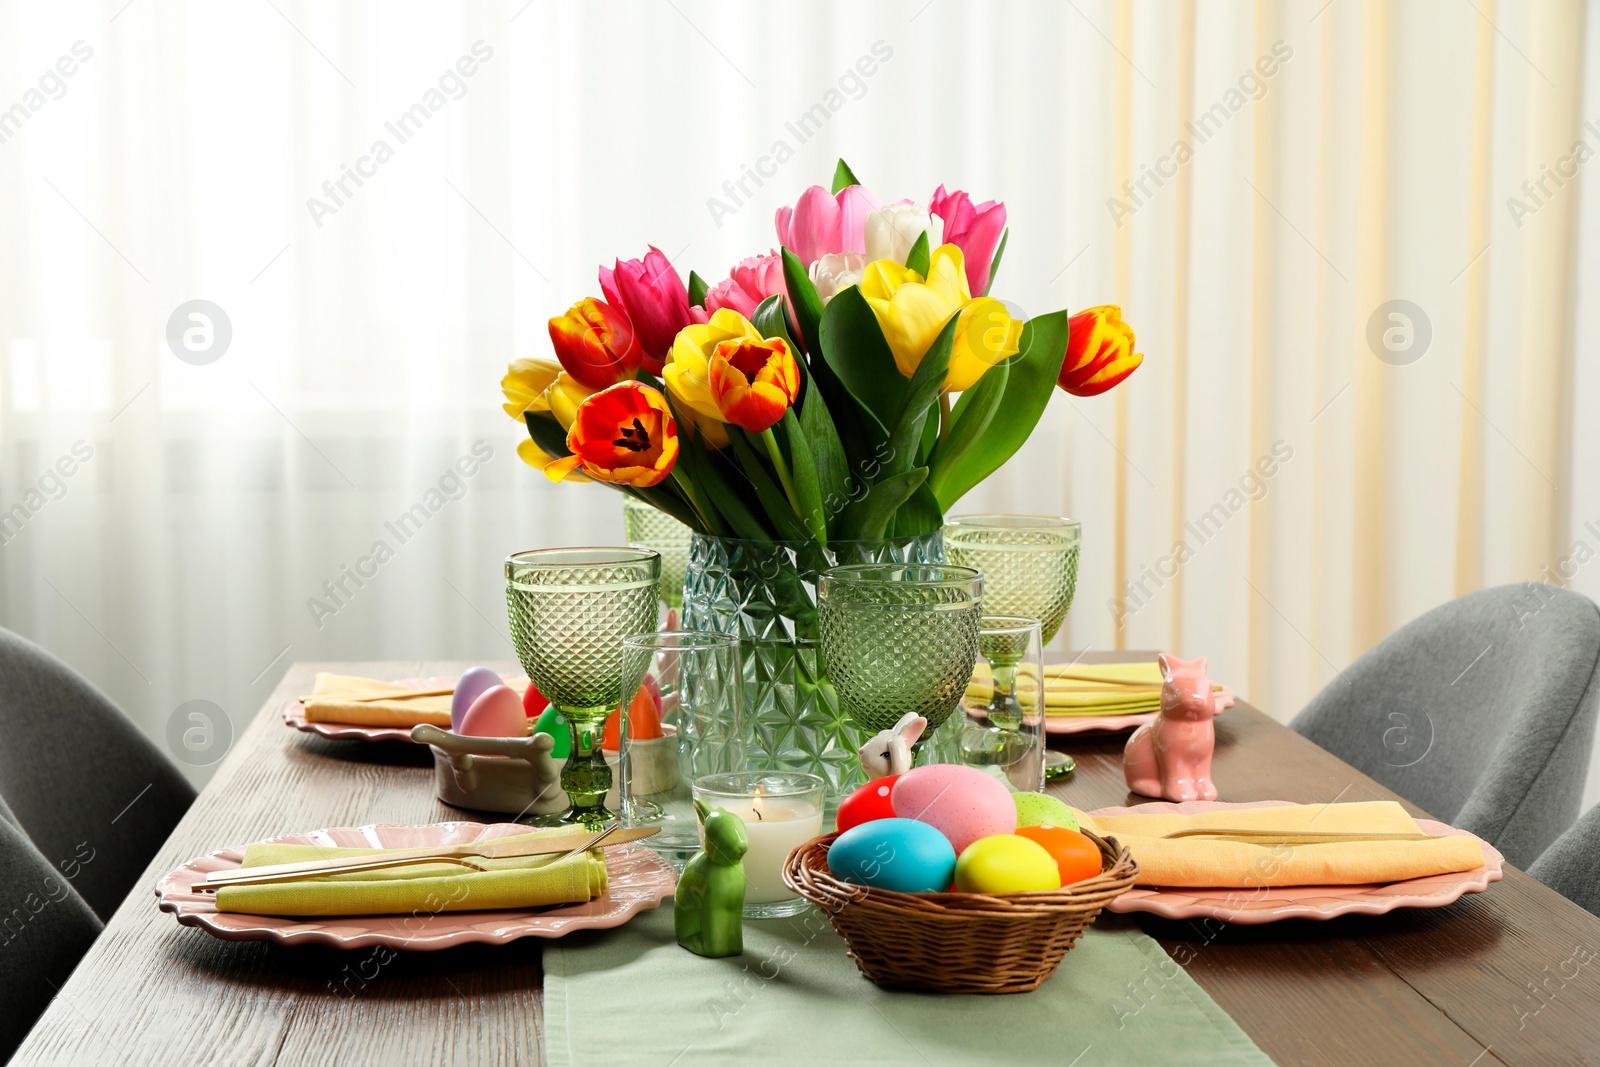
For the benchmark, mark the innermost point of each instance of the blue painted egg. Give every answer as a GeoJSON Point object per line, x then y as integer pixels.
{"type": "Point", "coordinates": [899, 854]}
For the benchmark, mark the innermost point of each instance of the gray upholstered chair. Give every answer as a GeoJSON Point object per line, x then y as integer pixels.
{"type": "Point", "coordinates": [1571, 866]}
{"type": "Point", "coordinates": [45, 928]}
{"type": "Point", "coordinates": [1482, 712]}
{"type": "Point", "coordinates": [78, 777]}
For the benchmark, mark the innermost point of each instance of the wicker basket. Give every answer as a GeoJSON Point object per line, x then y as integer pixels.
{"type": "Point", "coordinates": [958, 942]}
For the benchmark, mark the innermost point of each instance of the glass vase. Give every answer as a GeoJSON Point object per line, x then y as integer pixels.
{"type": "Point", "coordinates": [765, 592]}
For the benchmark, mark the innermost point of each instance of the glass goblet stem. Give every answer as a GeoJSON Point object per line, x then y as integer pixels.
{"type": "Point", "coordinates": [585, 776]}
{"type": "Point", "coordinates": [1005, 709]}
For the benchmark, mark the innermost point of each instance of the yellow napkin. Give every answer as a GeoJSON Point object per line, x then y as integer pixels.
{"type": "Point", "coordinates": [1214, 862]}
{"type": "Point", "coordinates": [423, 889]}
{"type": "Point", "coordinates": [1091, 690]}
{"type": "Point", "coordinates": [330, 703]}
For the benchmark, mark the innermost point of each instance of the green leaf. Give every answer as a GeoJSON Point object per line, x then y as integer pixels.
{"type": "Point", "coordinates": [697, 290]}
{"type": "Point", "coordinates": [822, 440]}
{"type": "Point", "coordinates": [807, 484]}
{"type": "Point", "coordinates": [770, 321]}
{"type": "Point", "coordinates": [547, 433]}
{"type": "Point", "coordinates": [972, 416]}
{"type": "Point", "coordinates": [700, 464]}
{"type": "Point", "coordinates": [994, 264]}
{"type": "Point", "coordinates": [843, 177]}
{"type": "Point", "coordinates": [750, 466]}
{"type": "Point", "coordinates": [1026, 391]}
{"type": "Point", "coordinates": [917, 258]}
{"type": "Point", "coordinates": [869, 517]}
{"type": "Point", "coordinates": [920, 514]}
{"type": "Point", "coordinates": [920, 397]}
{"type": "Point", "coordinates": [854, 349]}
{"type": "Point", "coordinates": [930, 436]}
{"type": "Point", "coordinates": [804, 299]}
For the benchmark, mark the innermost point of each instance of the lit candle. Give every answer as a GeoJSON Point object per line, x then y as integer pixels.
{"type": "Point", "coordinates": [781, 811]}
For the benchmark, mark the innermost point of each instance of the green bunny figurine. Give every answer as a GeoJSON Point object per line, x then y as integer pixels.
{"type": "Point", "coordinates": [710, 903]}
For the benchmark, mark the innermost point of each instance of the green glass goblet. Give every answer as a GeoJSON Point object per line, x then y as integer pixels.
{"type": "Point", "coordinates": [649, 527]}
{"type": "Point", "coordinates": [897, 638]}
{"type": "Point", "coordinates": [1029, 563]}
{"type": "Point", "coordinates": [570, 610]}
{"type": "Point", "coordinates": [1005, 703]}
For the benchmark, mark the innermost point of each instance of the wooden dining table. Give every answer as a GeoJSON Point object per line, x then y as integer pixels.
{"type": "Point", "coordinates": [1510, 975]}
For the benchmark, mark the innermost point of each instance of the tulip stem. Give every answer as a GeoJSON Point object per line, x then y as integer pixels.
{"type": "Point", "coordinates": [783, 468]}
{"type": "Point", "coordinates": [944, 415]}
{"type": "Point", "coordinates": [694, 500]}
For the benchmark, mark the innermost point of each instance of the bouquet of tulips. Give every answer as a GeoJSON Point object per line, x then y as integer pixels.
{"type": "Point", "coordinates": [852, 384]}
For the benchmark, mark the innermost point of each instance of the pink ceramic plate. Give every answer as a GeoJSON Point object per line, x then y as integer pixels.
{"type": "Point", "coordinates": [1270, 903]}
{"type": "Point", "coordinates": [295, 715]}
{"type": "Point", "coordinates": [638, 880]}
{"type": "Point", "coordinates": [1084, 724]}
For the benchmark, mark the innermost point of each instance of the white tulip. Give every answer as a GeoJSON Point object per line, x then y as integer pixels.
{"type": "Point", "coordinates": [892, 230]}
{"type": "Point", "coordinates": [836, 271]}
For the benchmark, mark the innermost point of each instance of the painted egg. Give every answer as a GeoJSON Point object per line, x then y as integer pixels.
{"type": "Point", "coordinates": [644, 720]}
{"type": "Point", "coordinates": [1006, 863]}
{"type": "Point", "coordinates": [867, 803]}
{"type": "Point", "coordinates": [1040, 809]}
{"type": "Point", "coordinates": [1076, 856]}
{"type": "Point", "coordinates": [552, 722]}
{"type": "Point", "coordinates": [962, 803]}
{"type": "Point", "coordinates": [898, 854]}
{"type": "Point", "coordinates": [533, 701]}
{"type": "Point", "coordinates": [469, 687]}
{"type": "Point", "coordinates": [496, 713]}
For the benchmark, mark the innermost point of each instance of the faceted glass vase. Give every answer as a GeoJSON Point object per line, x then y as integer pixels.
{"type": "Point", "coordinates": [766, 593]}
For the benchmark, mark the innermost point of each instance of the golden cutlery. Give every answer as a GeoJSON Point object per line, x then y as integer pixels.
{"type": "Point", "coordinates": [568, 844]}
{"type": "Point", "coordinates": [1295, 837]}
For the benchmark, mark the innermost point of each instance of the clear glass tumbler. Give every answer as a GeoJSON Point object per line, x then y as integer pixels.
{"type": "Point", "coordinates": [1005, 702]}
{"type": "Point", "coordinates": [782, 810]}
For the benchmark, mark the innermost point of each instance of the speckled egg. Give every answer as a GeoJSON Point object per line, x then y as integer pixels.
{"type": "Point", "coordinates": [867, 803]}
{"type": "Point", "coordinates": [962, 803]}
{"type": "Point", "coordinates": [898, 854]}
{"type": "Point", "coordinates": [1040, 809]}
{"type": "Point", "coordinates": [469, 687]}
{"type": "Point", "coordinates": [1006, 863]}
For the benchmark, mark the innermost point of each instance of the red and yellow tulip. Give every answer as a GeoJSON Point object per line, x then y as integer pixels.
{"type": "Point", "coordinates": [623, 434]}
{"type": "Point", "coordinates": [1099, 351]}
{"type": "Point", "coordinates": [595, 343]}
{"type": "Point", "coordinates": [754, 382]}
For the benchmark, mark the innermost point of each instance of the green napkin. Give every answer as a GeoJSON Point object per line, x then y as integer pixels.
{"type": "Point", "coordinates": [795, 997]}
{"type": "Point", "coordinates": [518, 882]}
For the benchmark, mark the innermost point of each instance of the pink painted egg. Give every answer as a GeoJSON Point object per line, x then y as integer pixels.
{"type": "Point", "coordinates": [496, 713]}
{"type": "Point", "coordinates": [962, 803]}
{"type": "Point", "coordinates": [469, 687]}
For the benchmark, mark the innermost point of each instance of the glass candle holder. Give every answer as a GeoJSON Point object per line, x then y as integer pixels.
{"type": "Point", "coordinates": [687, 683]}
{"type": "Point", "coordinates": [570, 610]}
{"type": "Point", "coordinates": [1004, 702]}
{"type": "Point", "coordinates": [781, 810]}
{"type": "Point", "coordinates": [1029, 563]}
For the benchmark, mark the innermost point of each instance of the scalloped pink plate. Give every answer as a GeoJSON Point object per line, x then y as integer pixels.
{"type": "Point", "coordinates": [1085, 724]}
{"type": "Point", "coordinates": [1272, 903]}
{"type": "Point", "coordinates": [638, 880]}
{"type": "Point", "coordinates": [295, 715]}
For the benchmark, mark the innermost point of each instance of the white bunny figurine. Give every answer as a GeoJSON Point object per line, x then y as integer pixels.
{"type": "Point", "coordinates": [889, 751]}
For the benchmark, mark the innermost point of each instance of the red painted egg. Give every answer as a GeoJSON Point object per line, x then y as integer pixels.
{"type": "Point", "coordinates": [867, 803]}
{"type": "Point", "coordinates": [534, 702]}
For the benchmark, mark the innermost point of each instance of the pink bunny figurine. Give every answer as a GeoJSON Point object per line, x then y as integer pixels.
{"type": "Point", "coordinates": [889, 751]}
{"type": "Point", "coordinates": [1171, 757]}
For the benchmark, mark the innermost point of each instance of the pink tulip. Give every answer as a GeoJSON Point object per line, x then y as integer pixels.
{"type": "Point", "coordinates": [749, 283]}
{"type": "Point", "coordinates": [655, 298]}
{"type": "Point", "coordinates": [975, 230]}
{"type": "Point", "coordinates": [820, 222]}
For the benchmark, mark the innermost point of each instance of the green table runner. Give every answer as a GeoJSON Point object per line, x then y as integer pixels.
{"type": "Point", "coordinates": [632, 996]}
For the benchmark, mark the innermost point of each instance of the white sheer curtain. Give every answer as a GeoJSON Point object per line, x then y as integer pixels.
{"type": "Point", "coordinates": [1343, 155]}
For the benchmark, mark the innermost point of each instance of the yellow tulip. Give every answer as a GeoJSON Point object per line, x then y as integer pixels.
{"type": "Point", "coordinates": [687, 373]}
{"type": "Point", "coordinates": [563, 397]}
{"type": "Point", "coordinates": [911, 310]}
{"type": "Point", "coordinates": [525, 383]}
{"type": "Point", "coordinates": [538, 459]}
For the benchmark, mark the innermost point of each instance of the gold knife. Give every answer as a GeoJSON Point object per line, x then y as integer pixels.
{"type": "Point", "coordinates": [464, 855]}
{"type": "Point", "coordinates": [1296, 837]}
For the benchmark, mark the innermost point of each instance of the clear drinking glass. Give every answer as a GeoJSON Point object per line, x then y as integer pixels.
{"type": "Point", "coordinates": [692, 678]}
{"type": "Point", "coordinates": [782, 810]}
{"type": "Point", "coordinates": [650, 527]}
{"type": "Point", "coordinates": [570, 610]}
{"type": "Point", "coordinates": [1029, 563]}
{"type": "Point", "coordinates": [897, 638]}
{"type": "Point", "coordinates": [1005, 702]}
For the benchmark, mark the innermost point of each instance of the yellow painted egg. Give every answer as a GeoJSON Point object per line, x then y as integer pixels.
{"type": "Point", "coordinates": [1006, 863]}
